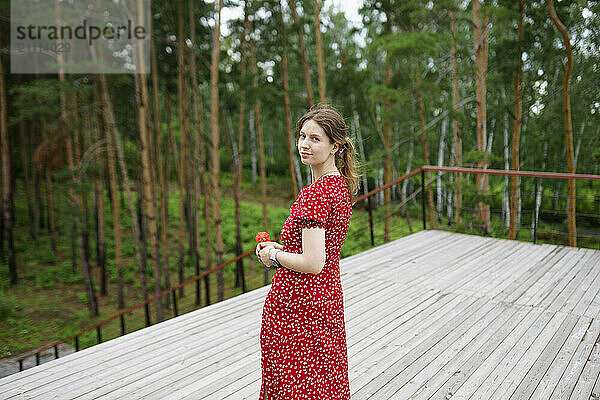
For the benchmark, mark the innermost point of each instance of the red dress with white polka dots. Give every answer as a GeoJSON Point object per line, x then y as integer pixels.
{"type": "Point", "coordinates": [303, 334]}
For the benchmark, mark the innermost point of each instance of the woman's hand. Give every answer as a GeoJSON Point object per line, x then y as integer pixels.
{"type": "Point", "coordinates": [263, 250]}
{"type": "Point", "coordinates": [263, 255]}
{"type": "Point", "coordinates": [260, 245]}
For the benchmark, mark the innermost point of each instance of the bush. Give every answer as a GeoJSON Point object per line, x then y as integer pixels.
{"type": "Point", "coordinates": [8, 307]}
{"type": "Point", "coordinates": [82, 298]}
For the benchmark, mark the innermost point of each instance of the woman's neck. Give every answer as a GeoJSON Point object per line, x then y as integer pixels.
{"type": "Point", "coordinates": [320, 170]}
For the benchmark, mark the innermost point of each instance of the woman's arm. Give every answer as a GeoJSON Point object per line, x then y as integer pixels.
{"type": "Point", "coordinates": [312, 258]}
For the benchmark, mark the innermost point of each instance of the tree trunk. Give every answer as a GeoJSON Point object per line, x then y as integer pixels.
{"type": "Point", "coordinates": [425, 144]}
{"type": "Point", "coordinates": [76, 202]}
{"type": "Point", "coordinates": [539, 192]}
{"type": "Point", "coordinates": [215, 158]}
{"type": "Point", "coordinates": [159, 160]}
{"type": "Point", "coordinates": [198, 168]}
{"type": "Point", "coordinates": [50, 212]}
{"type": "Point", "coordinates": [361, 151]}
{"type": "Point", "coordinates": [7, 212]}
{"type": "Point", "coordinates": [387, 160]}
{"type": "Point", "coordinates": [286, 103]}
{"type": "Point", "coordinates": [457, 134]}
{"type": "Point", "coordinates": [450, 192]}
{"type": "Point", "coordinates": [25, 162]}
{"type": "Point", "coordinates": [261, 150]}
{"type": "Point", "coordinates": [74, 197]}
{"type": "Point", "coordinates": [110, 123]}
{"type": "Point", "coordinates": [114, 196]}
{"type": "Point", "coordinates": [320, 62]}
{"type": "Point", "coordinates": [505, 195]}
{"type": "Point", "coordinates": [480, 38]}
{"type": "Point", "coordinates": [302, 50]}
{"type": "Point", "coordinates": [252, 127]}
{"type": "Point", "coordinates": [94, 126]}
{"type": "Point", "coordinates": [578, 146]}
{"type": "Point", "coordinates": [149, 206]}
{"type": "Point", "coordinates": [515, 158]}
{"type": "Point", "coordinates": [237, 189]}
{"type": "Point", "coordinates": [568, 124]}
{"type": "Point", "coordinates": [182, 112]}
{"type": "Point", "coordinates": [440, 198]}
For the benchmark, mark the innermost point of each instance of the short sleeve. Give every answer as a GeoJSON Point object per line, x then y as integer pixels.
{"type": "Point", "coordinates": [312, 208]}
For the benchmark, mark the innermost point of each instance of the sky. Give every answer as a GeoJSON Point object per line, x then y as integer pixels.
{"type": "Point", "coordinates": [349, 7]}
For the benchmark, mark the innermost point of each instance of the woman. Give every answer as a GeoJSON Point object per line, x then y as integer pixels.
{"type": "Point", "coordinates": [303, 335]}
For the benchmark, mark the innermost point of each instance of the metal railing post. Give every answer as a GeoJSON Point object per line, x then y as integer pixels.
{"type": "Point", "coordinates": [207, 289]}
{"type": "Point", "coordinates": [147, 308]}
{"type": "Point", "coordinates": [423, 198]}
{"type": "Point", "coordinates": [198, 292]}
{"type": "Point", "coordinates": [99, 332]}
{"type": "Point", "coordinates": [370, 220]}
{"type": "Point", "coordinates": [175, 303]}
{"type": "Point", "coordinates": [535, 200]}
{"type": "Point", "coordinates": [122, 325]}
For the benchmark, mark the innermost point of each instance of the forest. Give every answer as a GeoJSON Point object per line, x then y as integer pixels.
{"type": "Point", "coordinates": [116, 187]}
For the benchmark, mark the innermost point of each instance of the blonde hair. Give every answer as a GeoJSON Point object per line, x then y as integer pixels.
{"type": "Point", "coordinates": [335, 127]}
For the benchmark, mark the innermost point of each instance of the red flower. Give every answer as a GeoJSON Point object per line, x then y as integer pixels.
{"type": "Point", "coordinates": [262, 237]}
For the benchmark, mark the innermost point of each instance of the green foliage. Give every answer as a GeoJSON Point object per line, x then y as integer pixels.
{"type": "Point", "coordinates": [381, 93]}
{"type": "Point", "coordinates": [82, 297]}
{"type": "Point", "coordinates": [410, 43]}
{"type": "Point", "coordinates": [9, 308]}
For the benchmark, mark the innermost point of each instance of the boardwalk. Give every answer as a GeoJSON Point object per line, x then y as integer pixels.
{"type": "Point", "coordinates": [434, 315]}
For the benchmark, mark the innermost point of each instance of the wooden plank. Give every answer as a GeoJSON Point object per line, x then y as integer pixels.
{"type": "Point", "coordinates": [154, 374]}
{"type": "Point", "coordinates": [474, 276]}
{"type": "Point", "coordinates": [529, 344]}
{"type": "Point", "coordinates": [246, 387]}
{"type": "Point", "coordinates": [381, 351]}
{"type": "Point", "coordinates": [591, 289]}
{"type": "Point", "coordinates": [516, 289]}
{"type": "Point", "coordinates": [564, 289]}
{"type": "Point", "coordinates": [374, 331]}
{"type": "Point", "coordinates": [571, 375]}
{"type": "Point", "coordinates": [436, 373]}
{"type": "Point", "coordinates": [585, 384]}
{"type": "Point", "coordinates": [552, 280]}
{"type": "Point", "coordinates": [455, 271]}
{"type": "Point", "coordinates": [148, 352]}
{"type": "Point", "coordinates": [208, 314]}
{"type": "Point", "coordinates": [384, 352]}
{"type": "Point", "coordinates": [470, 374]}
{"type": "Point", "coordinates": [191, 382]}
{"type": "Point", "coordinates": [155, 368]}
{"type": "Point", "coordinates": [441, 338]}
{"type": "Point", "coordinates": [554, 337]}
{"type": "Point", "coordinates": [551, 363]}
{"type": "Point", "coordinates": [195, 386]}
{"type": "Point", "coordinates": [513, 268]}
{"type": "Point", "coordinates": [404, 246]}
{"type": "Point", "coordinates": [414, 271]}
{"type": "Point", "coordinates": [573, 291]}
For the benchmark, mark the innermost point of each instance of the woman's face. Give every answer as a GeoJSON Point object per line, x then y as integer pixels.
{"type": "Point", "coordinates": [314, 145]}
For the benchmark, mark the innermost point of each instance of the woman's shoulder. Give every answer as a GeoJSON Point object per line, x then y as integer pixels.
{"type": "Point", "coordinates": [331, 186]}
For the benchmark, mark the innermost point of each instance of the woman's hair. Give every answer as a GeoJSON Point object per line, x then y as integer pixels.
{"type": "Point", "coordinates": [335, 127]}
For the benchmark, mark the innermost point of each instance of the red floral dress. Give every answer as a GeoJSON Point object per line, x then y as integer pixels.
{"type": "Point", "coordinates": [303, 334]}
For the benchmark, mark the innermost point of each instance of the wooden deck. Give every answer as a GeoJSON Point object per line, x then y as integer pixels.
{"type": "Point", "coordinates": [434, 315]}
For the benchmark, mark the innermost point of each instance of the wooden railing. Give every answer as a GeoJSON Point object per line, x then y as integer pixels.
{"type": "Point", "coordinates": [367, 196]}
